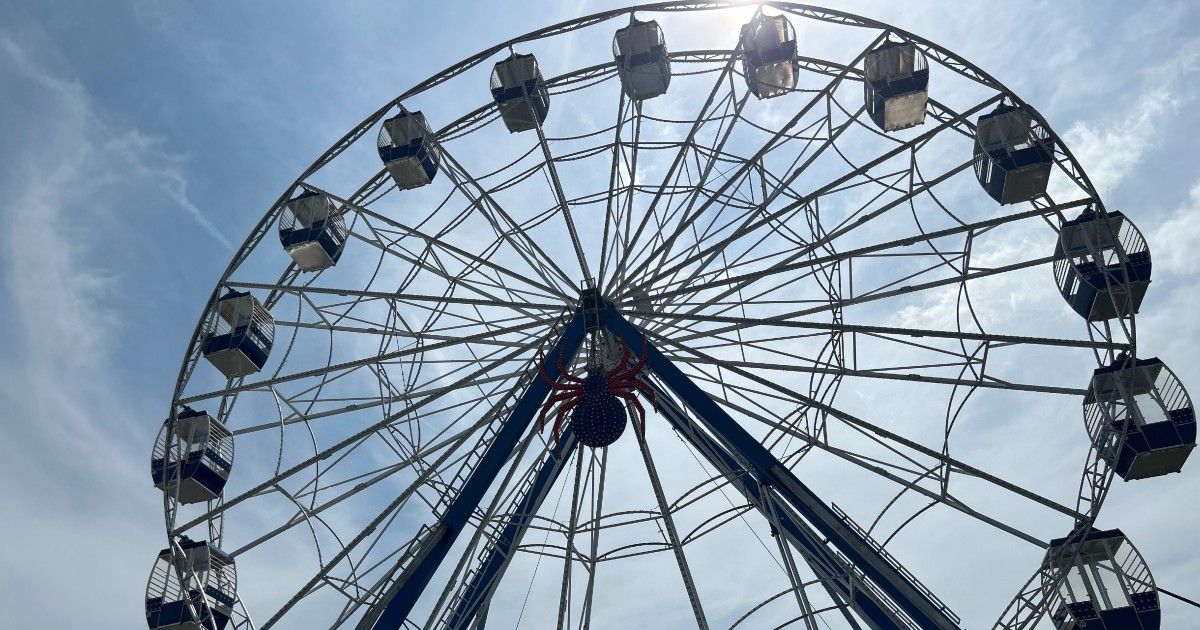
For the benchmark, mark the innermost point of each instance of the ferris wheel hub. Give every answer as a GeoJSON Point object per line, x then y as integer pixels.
{"type": "Point", "coordinates": [591, 302]}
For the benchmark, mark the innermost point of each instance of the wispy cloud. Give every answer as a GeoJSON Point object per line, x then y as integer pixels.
{"type": "Point", "coordinates": [1109, 149]}
{"type": "Point", "coordinates": [1175, 239]}
{"type": "Point", "coordinates": [120, 154]}
{"type": "Point", "coordinates": [151, 163]}
{"type": "Point", "coordinates": [74, 442]}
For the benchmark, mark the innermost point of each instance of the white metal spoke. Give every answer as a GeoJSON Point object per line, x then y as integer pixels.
{"type": "Point", "coordinates": [684, 224]}
{"type": "Point", "coordinates": [508, 228]}
{"type": "Point", "coordinates": [995, 340]}
{"type": "Point", "coordinates": [890, 436]}
{"type": "Point", "coordinates": [725, 76]}
{"type": "Point", "coordinates": [363, 362]}
{"type": "Point", "coordinates": [564, 206]}
{"type": "Point", "coordinates": [673, 539]}
{"type": "Point", "coordinates": [706, 255]}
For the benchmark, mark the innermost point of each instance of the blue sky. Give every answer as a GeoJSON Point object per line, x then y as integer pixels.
{"type": "Point", "coordinates": [143, 140]}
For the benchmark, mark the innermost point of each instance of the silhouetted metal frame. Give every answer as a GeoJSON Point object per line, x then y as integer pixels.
{"type": "Point", "coordinates": [392, 610]}
{"type": "Point", "coordinates": [734, 452]}
{"type": "Point", "coordinates": [765, 469]}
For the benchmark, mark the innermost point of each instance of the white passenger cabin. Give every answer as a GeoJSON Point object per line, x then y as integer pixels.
{"type": "Point", "coordinates": [406, 149]}
{"type": "Point", "coordinates": [312, 232]}
{"type": "Point", "coordinates": [192, 587]}
{"type": "Point", "coordinates": [193, 462]}
{"type": "Point", "coordinates": [769, 60]}
{"type": "Point", "coordinates": [640, 52]}
{"type": "Point", "coordinates": [1107, 585]}
{"type": "Point", "coordinates": [896, 85]}
{"type": "Point", "coordinates": [238, 335]}
{"type": "Point", "coordinates": [1013, 155]}
{"type": "Point", "coordinates": [520, 93]}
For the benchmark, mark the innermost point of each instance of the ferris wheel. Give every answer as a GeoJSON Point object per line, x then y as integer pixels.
{"type": "Point", "coordinates": [700, 314]}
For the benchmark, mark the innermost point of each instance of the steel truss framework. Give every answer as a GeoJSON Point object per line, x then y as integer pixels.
{"type": "Point", "coordinates": [767, 255]}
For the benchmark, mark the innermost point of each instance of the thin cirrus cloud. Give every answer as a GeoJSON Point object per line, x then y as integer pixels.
{"type": "Point", "coordinates": [75, 444]}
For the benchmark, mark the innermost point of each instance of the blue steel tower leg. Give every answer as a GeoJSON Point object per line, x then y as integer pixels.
{"type": "Point", "coordinates": [482, 583]}
{"type": "Point", "coordinates": [766, 469]}
{"type": "Point", "coordinates": [393, 610]}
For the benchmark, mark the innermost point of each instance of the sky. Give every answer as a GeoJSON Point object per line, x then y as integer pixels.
{"type": "Point", "coordinates": [142, 141]}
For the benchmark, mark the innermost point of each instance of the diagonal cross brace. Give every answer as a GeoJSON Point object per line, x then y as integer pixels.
{"type": "Point", "coordinates": [395, 607]}
{"type": "Point", "coordinates": [768, 470]}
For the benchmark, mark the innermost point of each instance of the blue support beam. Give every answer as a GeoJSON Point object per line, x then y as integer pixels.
{"type": "Point", "coordinates": [491, 570]}
{"type": "Point", "coordinates": [834, 577]}
{"type": "Point", "coordinates": [394, 610]}
{"type": "Point", "coordinates": [832, 573]}
{"type": "Point", "coordinates": [768, 470]}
